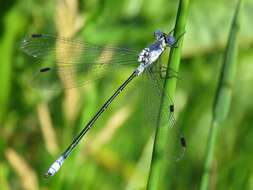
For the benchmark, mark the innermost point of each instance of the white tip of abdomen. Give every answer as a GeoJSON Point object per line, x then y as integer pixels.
{"type": "Point", "coordinates": [55, 167]}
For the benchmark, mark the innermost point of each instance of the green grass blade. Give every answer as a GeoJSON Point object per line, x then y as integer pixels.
{"type": "Point", "coordinates": [223, 95]}
{"type": "Point", "coordinates": [7, 47]}
{"type": "Point", "coordinates": [159, 150]}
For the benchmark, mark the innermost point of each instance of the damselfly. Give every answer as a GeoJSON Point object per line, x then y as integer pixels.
{"type": "Point", "coordinates": [70, 59]}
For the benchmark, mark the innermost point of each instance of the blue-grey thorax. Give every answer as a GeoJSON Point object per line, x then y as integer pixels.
{"type": "Point", "coordinates": [156, 49]}
{"type": "Point", "coordinates": [150, 54]}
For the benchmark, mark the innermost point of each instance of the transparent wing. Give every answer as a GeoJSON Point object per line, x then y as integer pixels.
{"type": "Point", "coordinates": [176, 140]}
{"type": "Point", "coordinates": [67, 63]}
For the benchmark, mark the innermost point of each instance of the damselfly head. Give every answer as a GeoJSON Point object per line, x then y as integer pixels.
{"type": "Point", "coordinates": [170, 40]}
{"type": "Point", "coordinates": [159, 35]}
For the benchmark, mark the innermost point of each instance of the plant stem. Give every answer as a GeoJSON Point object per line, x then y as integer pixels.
{"type": "Point", "coordinates": [223, 95]}
{"type": "Point", "coordinates": [158, 168]}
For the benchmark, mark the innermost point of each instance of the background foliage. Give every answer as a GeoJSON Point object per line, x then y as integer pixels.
{"type": "Point", "coordinates": [36, 125]}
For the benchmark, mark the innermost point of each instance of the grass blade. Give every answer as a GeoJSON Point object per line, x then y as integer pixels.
{"type": "Point", "coordinates": [159, 150]}
{"type": "Point", "coordinates": [223, 95]}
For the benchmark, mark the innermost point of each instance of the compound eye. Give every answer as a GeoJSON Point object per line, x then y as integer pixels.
{"type": "Point", "coordinates": [171, 40]}
{"type": "Point", "coordinates": [158, 34]}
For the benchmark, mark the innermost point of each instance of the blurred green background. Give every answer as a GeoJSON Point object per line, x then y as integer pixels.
{"type": "Point", "coordinates": [37, 125]}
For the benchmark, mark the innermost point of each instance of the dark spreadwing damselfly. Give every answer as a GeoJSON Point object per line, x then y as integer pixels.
{"type": "Point", "coordinates": [64, 62]}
